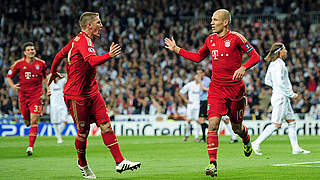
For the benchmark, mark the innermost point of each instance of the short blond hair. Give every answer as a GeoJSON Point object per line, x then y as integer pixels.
{"type": "Point", "coordinates": [225, 14]}
{"type": "Point", "coordinates": [85, 18]}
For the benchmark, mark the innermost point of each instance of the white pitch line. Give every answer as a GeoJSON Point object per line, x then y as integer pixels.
{"type": "Point", "coordinates": [302, 164]}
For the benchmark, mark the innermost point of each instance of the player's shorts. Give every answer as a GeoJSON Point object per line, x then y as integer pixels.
{"type": "Point", "coordinates": [193, 113]}
{"type": "Point", "coordinates": [85, 112]}
{"type": "Point", "coordinates": [281, 109]}
{"type": "Point", "coordinates": [203, 109]}
{"type": "Point", "coordinates": [227, 100]}
{"type": "Point", "coordinates": [58, 114]}
{"type": "Point", "coordinates": [30, 105]}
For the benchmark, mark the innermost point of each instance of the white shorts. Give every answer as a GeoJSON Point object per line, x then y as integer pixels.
{"type": "Point", "coordinates": [58, 114]}
{"type": "Point", "coordinates": [193, 113]}
{"type": "Point", "coordinates": [281, 109]}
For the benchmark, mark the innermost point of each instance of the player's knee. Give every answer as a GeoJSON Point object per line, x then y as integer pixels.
{"type": "Point", "coordinates": [291, 123]}
{"type": "Point", "coordinates": [278, 126]}
{"type": "Point", "coordinates": [105, 127]}
{"type": "Point", "coordinates": [236, 130]}
{"type": "Point", "coordinates": [82, 136]}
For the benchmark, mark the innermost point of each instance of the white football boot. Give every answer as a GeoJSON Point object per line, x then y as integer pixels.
{"type": "Point", "coordinates": [127, 165]}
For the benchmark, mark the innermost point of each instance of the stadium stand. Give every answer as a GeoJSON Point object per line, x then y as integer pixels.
{"type": "Point", "coordinates": [146, 78]}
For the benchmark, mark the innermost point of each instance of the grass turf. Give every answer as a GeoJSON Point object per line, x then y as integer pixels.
{"type": "Point", "coordinates": [162, 157]}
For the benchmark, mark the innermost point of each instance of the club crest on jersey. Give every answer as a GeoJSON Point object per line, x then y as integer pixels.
{"type": "Point", "coordinates": [212, 43]}
{"type": "Point", "coordinates": [227, 43]}
{"type": "Point", "coordinates": [90, 49]}
{"type": "Point", "coordinates": [37, 67]}
{"type": "Point", "coordinates": [10, 72]}
{"type": "Point", "coordinates": [24, 67]}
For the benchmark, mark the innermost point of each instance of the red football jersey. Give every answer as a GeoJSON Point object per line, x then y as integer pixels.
{"type": "Point", "coordinates": [30, 76]}
{"type": "Point", "coordinates": [81, 76]}
{"type": "Point", "coordinates": [226, 52]}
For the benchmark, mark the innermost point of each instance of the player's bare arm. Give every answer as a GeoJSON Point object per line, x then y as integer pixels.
{"type": "Point", "coordinates": [171, 45]}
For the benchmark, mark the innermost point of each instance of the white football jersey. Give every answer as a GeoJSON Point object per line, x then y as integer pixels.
{"type": "Point", "coordinates": [56, 98]}
{"type": "Point", "coordinates": [277, 77]}
{"type": "Point", "coordinates": [193, 90]}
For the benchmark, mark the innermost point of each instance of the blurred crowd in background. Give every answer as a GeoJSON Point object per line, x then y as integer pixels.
{"type": "Point", "coordinates": [146, 78]}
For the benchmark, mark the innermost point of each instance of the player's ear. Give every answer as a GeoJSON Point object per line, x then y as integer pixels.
{"type": "Point", "coordinates": [226, 22]}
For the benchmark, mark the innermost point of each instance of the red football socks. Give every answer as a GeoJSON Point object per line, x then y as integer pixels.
{"type": "Point", "coordinates": [33, 134]}
{"type": "Point", "coordinates": [245, 135]}
{"type": "Point", "coordinates": [81, 145]}
{"type": "Point", "coordinates": [110, 140]}
{"type": "Point", "coordinates": [212, 144]}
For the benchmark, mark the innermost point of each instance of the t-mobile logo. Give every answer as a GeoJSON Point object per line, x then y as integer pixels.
{"type": "Point", "coordinates": [215, 54]}
{"type": "Point", "coordinates": [27, 75]}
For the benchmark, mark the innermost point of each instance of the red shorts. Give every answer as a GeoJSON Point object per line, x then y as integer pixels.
{"type": "Point", "coordinates": [227, 100]}
{"type": "Point", "coordinates": [30, 105]}
{"type": "Point", "coordinates": [87, 111]}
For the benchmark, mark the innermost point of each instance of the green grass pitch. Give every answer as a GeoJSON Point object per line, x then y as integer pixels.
{"type": "Point", "coordinates": [162, 157]}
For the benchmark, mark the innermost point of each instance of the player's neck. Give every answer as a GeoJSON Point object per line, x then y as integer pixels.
{"type": "Point", "coordinates": [222, 33]}
{"type": "Point", "coordinates": [29, 59]}
{"type": "Point", "coordinates": [89, 34]}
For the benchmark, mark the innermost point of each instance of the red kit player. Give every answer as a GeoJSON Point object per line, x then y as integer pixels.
{"type": "Point", "coordinates": [226, 90]}
{"type": "Point", "coordinates": [32, 73]}
{"type": "Point", "coordinates": [81, 93]}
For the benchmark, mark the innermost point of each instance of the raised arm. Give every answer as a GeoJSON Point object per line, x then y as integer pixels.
{"type": "Point", "coordinates": [94, 60]}
{"type": "Point", "coordinates": [193, 56]}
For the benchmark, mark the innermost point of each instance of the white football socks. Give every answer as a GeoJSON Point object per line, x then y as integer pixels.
{"type": "Point", "coordinates": [292, 133]}
{"type": "Point", "coordinates": [265, 134]}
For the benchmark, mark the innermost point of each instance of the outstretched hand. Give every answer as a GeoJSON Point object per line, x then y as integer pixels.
{"type": "Point", "coordinates": [239, 73]}
{"type": "Point", "coordinates": [115, 50]}
{"type": "Point", "coordinates": [171, 45]}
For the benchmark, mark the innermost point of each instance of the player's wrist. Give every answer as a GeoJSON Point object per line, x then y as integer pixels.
{"type": "Point", "coordinates": [177, 49]}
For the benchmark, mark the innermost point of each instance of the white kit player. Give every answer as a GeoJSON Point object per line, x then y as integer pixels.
{"type": "Point", "coordinates": [193, 106]}
{"type": "Point", "coordinates": [227, 126]}
{"type": "Point", "coordinates": [277, 77]}
{"type": "Point", "coordinates": [58, 108]}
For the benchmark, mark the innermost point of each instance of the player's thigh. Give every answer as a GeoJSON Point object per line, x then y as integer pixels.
{"type": "Point", "coordinates": [35, 108]}
{"type": "Point", "coordinates": [79, 111]}
{"type": "Point", "coordinates": [58, 114]}
{"type": "Point", "coordinates": [279, 110]}
{"type": "Point", "coordinates": [24, 109]}
{"type": "Point", "coordinates": [290, 112]}
{"type": "Point", "coordinates": [35, 105]}
{"type": "Point", "coordinates": [99, 113]}
{"type": "Point", "coordinates": [216, 106]}
{"type": "Point", "coordinates": [193, 113]}
{"type": "Point", "coordinates": [236, 111]}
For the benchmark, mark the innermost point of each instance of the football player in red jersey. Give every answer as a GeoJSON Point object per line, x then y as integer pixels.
{"type": "Point", "coordinates": [32, 73]}
{"type": "Point", "coordinates": [81, 93]}
{"type": "Point", "coordinates": [226, 90]}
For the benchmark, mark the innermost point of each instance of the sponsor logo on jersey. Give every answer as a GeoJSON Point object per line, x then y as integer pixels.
{"type": "Point", "coordinates": [227, 43]}
{"type": "Point", "coordinates": [27, 75]}
{"type": "Point", "coordinates": [90, 49]}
